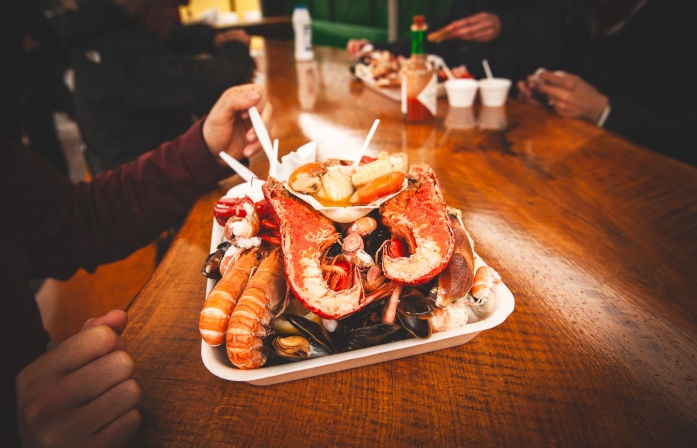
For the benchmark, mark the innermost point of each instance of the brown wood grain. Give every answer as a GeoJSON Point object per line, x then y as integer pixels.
{"type": "Point", "coordinates": [595, 237]}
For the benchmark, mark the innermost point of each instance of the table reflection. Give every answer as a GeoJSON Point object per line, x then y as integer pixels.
{"type": "Point", "coordinates": [492, 118]}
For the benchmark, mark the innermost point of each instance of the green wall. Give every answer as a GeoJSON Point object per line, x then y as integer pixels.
{"type": "Point", "coordinates": [334, 22]}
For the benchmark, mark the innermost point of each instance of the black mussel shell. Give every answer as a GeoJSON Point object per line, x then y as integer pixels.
{"type": "Point", "coordinates": [371, 314]}
{"type": "Point", "coordinates": [376, 239]}
{"type": "Point", "coordinates": [211, 267]}
{"type": "Point", "coordinates": [224, 246]}
{"type": "Point", "coordinates": [413, 303]}
{"type": "Point", "coordinates": [311, 330]}
{"type": "Point", "coordinates": [415, 326]}
{"type": "Point", "coordinates": [355, 338]}
{"type": "Point", "coordinates": [294, 347]}
{"type": "Point", "coordinates": [334, 250]}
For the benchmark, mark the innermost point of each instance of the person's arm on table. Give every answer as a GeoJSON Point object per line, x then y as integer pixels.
{"type": "Point", "coordinates": [81, 392]}
{"type": "Point", "coordinates": [124, 209]}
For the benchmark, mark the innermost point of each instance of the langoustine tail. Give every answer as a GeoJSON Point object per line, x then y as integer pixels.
{"type": "Point", "coordinates": [251, 317]}
{"type": "Point", "coordinates": [220, 302]}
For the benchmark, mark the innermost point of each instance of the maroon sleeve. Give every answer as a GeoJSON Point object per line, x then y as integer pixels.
{"type": "Point", "coordinates": [70, 226]}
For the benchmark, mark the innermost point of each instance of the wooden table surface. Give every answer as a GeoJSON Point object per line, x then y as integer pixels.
{"type": "Point", "coordinates": [595, 237]}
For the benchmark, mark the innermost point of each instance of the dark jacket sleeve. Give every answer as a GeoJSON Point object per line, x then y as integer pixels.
{"type": "Point", "coordinates": [72, 226]}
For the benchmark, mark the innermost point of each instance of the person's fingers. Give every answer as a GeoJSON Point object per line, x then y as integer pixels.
{"type": "Point", "coordinates": [116, 319]}
{"type": "Point", "coordinates": [98, 376]}
{"type": "Point", "coordinates": [480, 27]}
{"type": "Point", "coordinates": [555, 94]}
{"type": "Point", "coordinates": [80, 349]}
{"type": "Point", "coordinates": [465, 22]}
{"type": "Point", "coordinates": [484, 36]}
{"type": "Point", "coordinates": [251, 135]}
{"type": "Point", "coordinates": [524, 90]}
{"type": "Point", "coordinates": [239, 98]}
{"type": "Point", "coordinates": [556, 79]}
{"type": "Point", "coordinates": [120, 431]}
{"type": "Point", "coordinates": [252, 149]}
{"type": "Point", "coordinates": [109, 406]}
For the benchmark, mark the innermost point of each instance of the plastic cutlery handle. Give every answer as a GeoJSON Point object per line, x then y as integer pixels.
{"type": "Point", "coordinates": [262, 133]}
{"type": "Point", "coordinates": [244, 172]}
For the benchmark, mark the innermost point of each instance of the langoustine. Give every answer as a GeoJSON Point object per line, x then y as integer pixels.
{"type": "Point", "coordinates": [220, 302]}
{"type": "Point", "coordinates": [261, 300]}
{"type": "Point", "coordinates": [472, 307]}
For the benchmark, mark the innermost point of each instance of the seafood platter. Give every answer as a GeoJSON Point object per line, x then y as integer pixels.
{"type": "Point", "coordinates": [333, 265]}
{"type": "Point", "coordinates": [381, 71]}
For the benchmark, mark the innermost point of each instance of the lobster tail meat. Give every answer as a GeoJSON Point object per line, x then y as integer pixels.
{"type": "Point", "coordinates": [418, 215]}
{"type": "Point", "coordinates": [306, 235]}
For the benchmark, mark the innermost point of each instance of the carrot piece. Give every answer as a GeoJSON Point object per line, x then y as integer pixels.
{"type": "Point", "coordinates": [378, 187]}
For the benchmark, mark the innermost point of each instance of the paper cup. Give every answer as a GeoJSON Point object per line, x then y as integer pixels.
{"type": "Point", "coordinates": [494, 91]}
{"type": "Point", "coordinates": [461, 92]}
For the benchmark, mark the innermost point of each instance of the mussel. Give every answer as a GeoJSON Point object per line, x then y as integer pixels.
{"type": "Point", "coordinates": [413, 312]}
{"type": "Point", "coordinates": [313, 340]}
{"type": "Point", "coordinates": [361, 337]}
{"type": "Point", "coordinates": [211, 267]}
{"type": "Point", "coordinates": [296, 348]}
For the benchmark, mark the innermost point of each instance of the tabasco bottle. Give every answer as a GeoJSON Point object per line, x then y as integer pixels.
{"type": "Point", "coordinates": [418, 78]}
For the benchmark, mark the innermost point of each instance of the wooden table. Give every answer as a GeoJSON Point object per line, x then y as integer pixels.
{"type": "Point", "coordinates": [595, 237]}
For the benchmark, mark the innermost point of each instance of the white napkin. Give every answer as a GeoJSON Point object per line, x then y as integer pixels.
{"type": "Point", "coordinates": [301, 156]}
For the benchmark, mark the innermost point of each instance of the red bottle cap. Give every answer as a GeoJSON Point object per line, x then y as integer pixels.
{"type": "Point", "coordinates": [419, 21]}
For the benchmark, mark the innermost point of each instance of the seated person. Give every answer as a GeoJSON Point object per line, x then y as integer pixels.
{"type": "Point", "coordinates": [81, 392]}
{"type": "Point", "coordinates": [619, 74]}
{"type": "Point", "coordinates": [140, 76]}
{"type": "Point", "coordinates": [512, 35]}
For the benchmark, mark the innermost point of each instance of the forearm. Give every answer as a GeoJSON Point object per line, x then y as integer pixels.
{"type": "Point", "coordinates": [126, 208]}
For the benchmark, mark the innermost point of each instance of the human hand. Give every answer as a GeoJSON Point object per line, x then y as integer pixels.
{"type": "Point", "coordinates": [480, 27]}
{"type": "Point", "coordinates": [526, 91]}
{"type": "Point", "coordinates": [354, 46]}
{"type": "Point", "coordinates": [81, 392]}
{"type": "Point", "coordinates": [230, 35]}
{"type": "Point", "coordinates": [227, 126]}
{"type": "Point", "coordinates": [570, 96]}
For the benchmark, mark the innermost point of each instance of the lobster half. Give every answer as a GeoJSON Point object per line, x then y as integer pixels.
{"type": "Point", "coordinates": [419, 217]}
{"type": "Point", "coordinates": [306, 236]}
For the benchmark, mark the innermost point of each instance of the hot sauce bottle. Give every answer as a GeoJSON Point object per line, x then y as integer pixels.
{"type": "Point", "coordinates": [418, 78]}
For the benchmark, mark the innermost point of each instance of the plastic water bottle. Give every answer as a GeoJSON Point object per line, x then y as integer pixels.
{"type": "Point", "coordinates": [302, 26]}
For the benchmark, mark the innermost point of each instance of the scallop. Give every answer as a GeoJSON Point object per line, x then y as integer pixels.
{"type": "Point", "coordinates": [336, 186]}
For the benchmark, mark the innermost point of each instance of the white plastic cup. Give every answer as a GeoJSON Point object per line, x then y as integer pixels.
{"type": "Point", "coordinates": [494, 91]}
{"type": "Point", "coordinates": [461, 92]}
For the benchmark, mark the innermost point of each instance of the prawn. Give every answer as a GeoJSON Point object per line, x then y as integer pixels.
{"type": "Point", "coordinates": [221, 300]}
{"type": "Point", "coordinates": [261, 300]}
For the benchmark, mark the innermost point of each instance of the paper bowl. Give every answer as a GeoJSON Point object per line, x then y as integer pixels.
{"type": "Point", "coordinates": [344, 214]}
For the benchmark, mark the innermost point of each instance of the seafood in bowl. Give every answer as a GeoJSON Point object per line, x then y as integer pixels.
{"type": "Point", "coordinates": [314, 288]}
{"type": "Point", "coordinates": [345, 193]}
